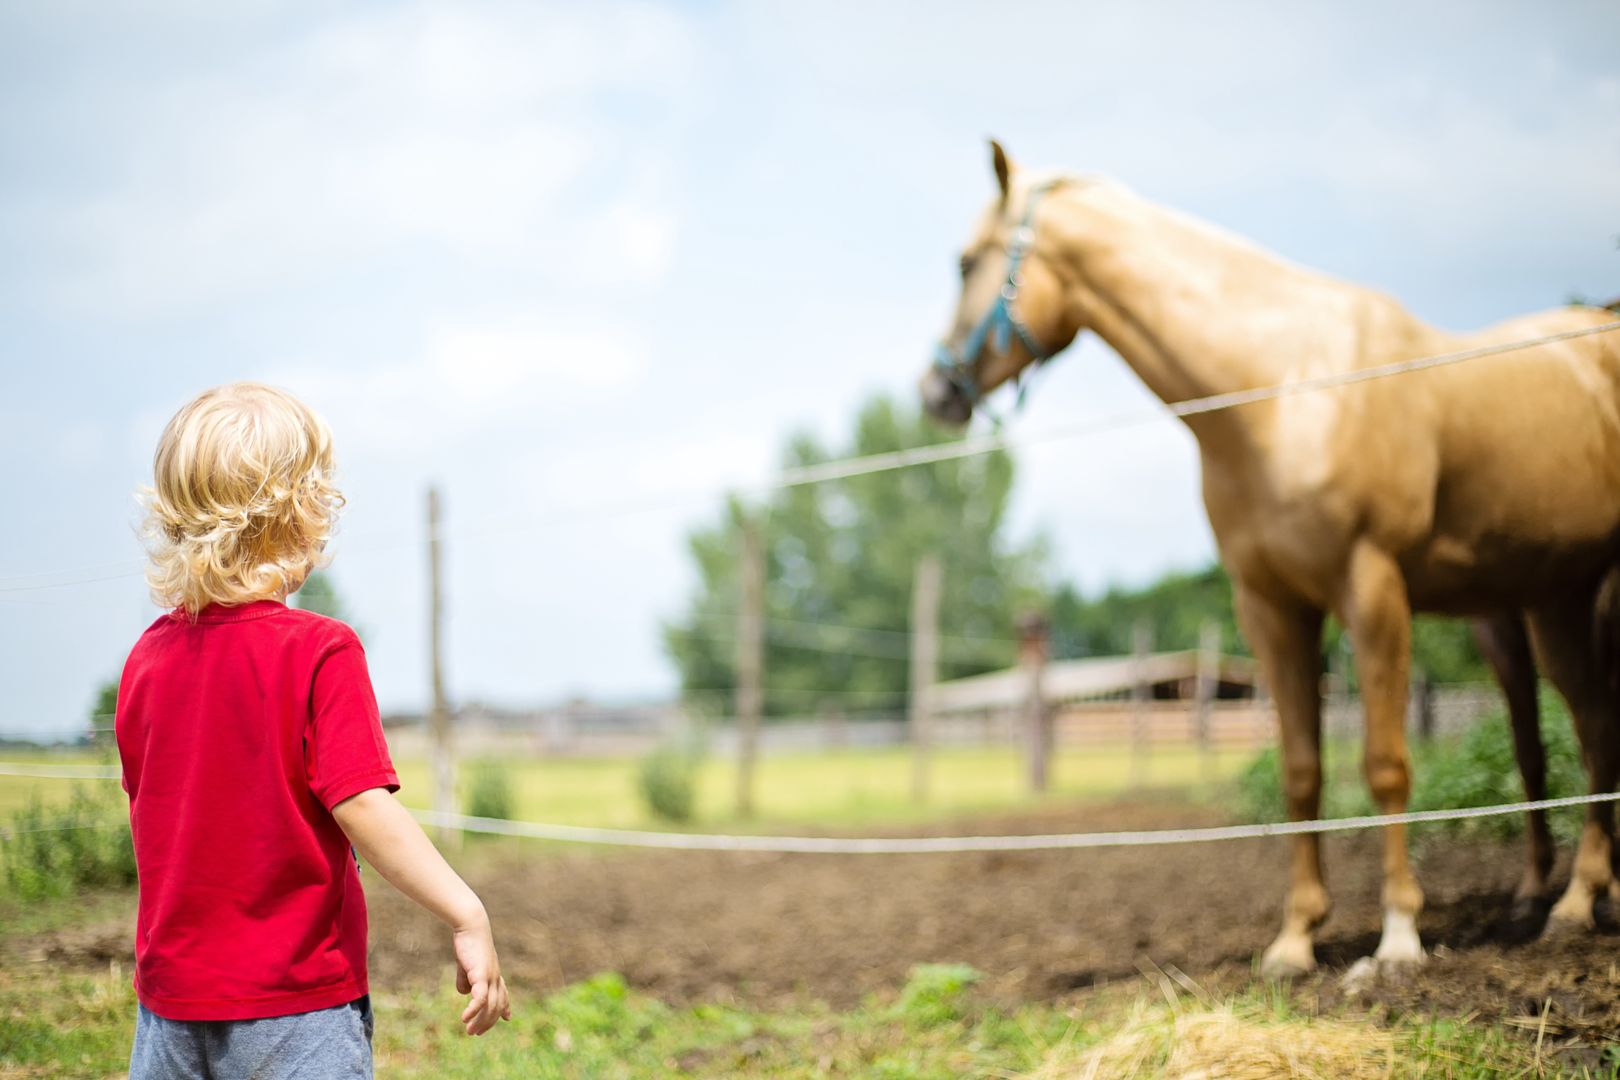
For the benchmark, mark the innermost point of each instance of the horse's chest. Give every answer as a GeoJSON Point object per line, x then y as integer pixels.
{"type": "Point", "coordinates": [1285, 528]}
{"type": "Point", "coordinates": [1289, 517]}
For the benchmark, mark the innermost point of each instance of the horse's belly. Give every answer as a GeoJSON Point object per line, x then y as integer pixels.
{"type": "Point", "coordinates": [1495, 559]}
{"type": "Point", "coordinates": [1469, 581]}
{"type": "Point", "coordinates": [1528, 505]}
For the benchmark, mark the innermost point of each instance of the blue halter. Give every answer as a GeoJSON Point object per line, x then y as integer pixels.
{"type": "Point", "coordinates": [1001, 322]}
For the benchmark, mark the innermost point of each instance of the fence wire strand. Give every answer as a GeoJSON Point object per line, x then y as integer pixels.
{"type": "Point", "coordinates": [924, 845]}
{"type": "Point", "coordinates": [947, 845]}
{"type": "Point", "coordinates": [849, 468]}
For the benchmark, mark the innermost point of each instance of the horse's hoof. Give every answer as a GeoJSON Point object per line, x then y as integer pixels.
{"type": "Point", "coordinates": [1288, 958]}
{"type": "Point", "coordinates": [1361, 974]}
{"type": "Point", "coordinates": [1528, 912]}
{"type": "Point", "coordinates": [1571, 915]}
{"type": "Point", "coordinates": [1399, 945]}
{"type": "Point", "coordinates": [1374, 969]}
{"type": "Point", "coordinates": [1566, 925]}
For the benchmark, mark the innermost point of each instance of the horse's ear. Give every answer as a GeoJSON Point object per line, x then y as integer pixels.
{"type": "Point", "coordinates": [998, 158]}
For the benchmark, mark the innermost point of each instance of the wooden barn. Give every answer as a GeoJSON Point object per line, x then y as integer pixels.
{"type": "Point", "coordinates": [1187, 697]}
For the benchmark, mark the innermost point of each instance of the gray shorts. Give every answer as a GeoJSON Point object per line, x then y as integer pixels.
{"type": "Point", "coordinates": [327, 1044]}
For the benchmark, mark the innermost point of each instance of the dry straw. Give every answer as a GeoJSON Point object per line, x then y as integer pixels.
{"type": "Point", "coordinates": [1221, 1043]}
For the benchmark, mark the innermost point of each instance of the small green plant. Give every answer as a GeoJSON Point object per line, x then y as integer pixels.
{"type": "Point", "coordinates": [54, 851]}
{"type": "Point", "coordinates": [1260, 791]}
{"type": "Point", "coordinates": [935, 993]}
{"type": "Point", "coordinates": [489, 792]}
{"type": "Point", "coordinates": [669, 783]}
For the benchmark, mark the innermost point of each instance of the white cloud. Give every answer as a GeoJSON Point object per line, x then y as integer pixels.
{"type": "Point", "coordinates": [629, 242]}
{"type": "Point", "coordinates": [485, 366]}
{"type": "Point", "coordinates": [476, 131]}
{"type": "Point", "coordinates": [467, 378]}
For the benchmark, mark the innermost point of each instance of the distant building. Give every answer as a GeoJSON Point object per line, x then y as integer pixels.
{"type": "Point", "coordinates": [1170, 676]}
{"type": "Point", "coordinates": [578, 727]}
{"type": "Point", "coordinates": [1094, 701]}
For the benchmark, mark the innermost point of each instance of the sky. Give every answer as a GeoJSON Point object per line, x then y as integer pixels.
{"type": "Point", "coordinates": [571, 261]}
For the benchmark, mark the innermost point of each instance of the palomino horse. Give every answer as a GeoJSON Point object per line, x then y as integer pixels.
{"type": "Point", "coordinates": [1486, 487]}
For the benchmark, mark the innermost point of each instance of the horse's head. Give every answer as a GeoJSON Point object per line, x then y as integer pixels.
{"type": "Point", "coordinates": [1011, 313]}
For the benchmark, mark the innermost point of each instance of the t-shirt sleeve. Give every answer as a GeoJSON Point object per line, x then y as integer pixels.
{"type": "Point", "coordinates": [345, 752]}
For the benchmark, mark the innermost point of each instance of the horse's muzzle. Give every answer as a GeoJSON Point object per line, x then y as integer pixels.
{"type": "Point", "coordinates": [944, 400]}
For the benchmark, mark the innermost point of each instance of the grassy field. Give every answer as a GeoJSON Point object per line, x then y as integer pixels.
{"type": "Point", "coordinates": [79, 1025]}
{"type": "Point", "coordinates": [828, 788]}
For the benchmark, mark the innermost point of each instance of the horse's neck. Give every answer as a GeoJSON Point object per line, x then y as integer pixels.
{"type": "Point", "coordinates": [1193, 310]}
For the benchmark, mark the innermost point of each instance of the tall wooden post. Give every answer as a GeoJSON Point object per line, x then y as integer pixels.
{"type": "Point", "coordinates": [1208, 689]}
{"type": "Point", "coordinates": [1141, 694]}
{"type": "Point", "coordinates": [444, 766]}
{"type": "Point", "coordinates": [924, 664]}
{"type": "Point", "coordinates": [1032, 650]}
{"type": "Point", "coordinates": [750, 662]}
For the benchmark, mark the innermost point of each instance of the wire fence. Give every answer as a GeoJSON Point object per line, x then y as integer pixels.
{"type": "Point", "coordinates": [911, 845]}
{"type": "Point", "coordinates": [864, 466]}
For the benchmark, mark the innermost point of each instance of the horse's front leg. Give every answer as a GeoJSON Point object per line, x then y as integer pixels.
{"type": "Point", "coordinates": [1287, 639]}
{"type": "Point", "coordinates": [1378, 617]}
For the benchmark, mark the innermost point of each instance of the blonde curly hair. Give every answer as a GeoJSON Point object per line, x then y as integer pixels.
{"type": "Point", "coordinates": [242, 501]}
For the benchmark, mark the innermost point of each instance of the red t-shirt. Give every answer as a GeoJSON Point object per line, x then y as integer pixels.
{"type": "Point", "coordinates": [239, 730]}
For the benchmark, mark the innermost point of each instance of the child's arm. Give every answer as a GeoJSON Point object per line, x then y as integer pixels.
{"type": "Point", "coordinates": [389, 839]}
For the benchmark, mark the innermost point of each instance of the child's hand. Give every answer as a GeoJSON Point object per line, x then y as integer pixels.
{"type": "Point", "coordinates": [478, 972]}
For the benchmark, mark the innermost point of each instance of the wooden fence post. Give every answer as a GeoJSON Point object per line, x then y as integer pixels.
{"type": "Point", "coordinates": [1208, 689]}
{"type": "Point", "coordinates": [1423, 690]}
{"type": "Point", "coordinates": [835, 727]}
{"type": "Point", "coordinates": [444, 766]}
{"type": "Point", "coordinates": [750, 662]}
{"type": "Point", "coordinates": [924, 664]}
{"type": "Point", "coordinates": [1032, 650]}
{"type": "Point", "coordinates": [1141, 693]}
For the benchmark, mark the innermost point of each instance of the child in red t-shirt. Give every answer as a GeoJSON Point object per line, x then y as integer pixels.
{"type": "Point", "coordinates": [254, 758]}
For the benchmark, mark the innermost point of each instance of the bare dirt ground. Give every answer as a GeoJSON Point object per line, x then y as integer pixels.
{"type": "Point", "coordinates": [1041, 925]}
{"type": "Point", "coordinates": [765, 929]}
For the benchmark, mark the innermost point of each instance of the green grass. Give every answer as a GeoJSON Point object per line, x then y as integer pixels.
{"type": "Point", "coordinates": [65, 1025]}
{"type": "Point", "coordinates": [833, 789]}
{"type": "Point", "coordinates": [17, 792]}
{"type": "Point", "coordinates": [73, 1025]}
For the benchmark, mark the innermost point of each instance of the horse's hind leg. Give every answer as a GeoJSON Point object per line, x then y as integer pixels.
{"type": "Point", "coordinates": [1287, 639]}
{"type": "Point", "coordinates": [1564, 640]}
{"type": "Point", "coordinates": [1504, 641]}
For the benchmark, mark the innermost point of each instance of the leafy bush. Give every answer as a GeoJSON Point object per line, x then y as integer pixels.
{"type": "Point", "coordinates": [1260, 792]}
{"type": "Point", "coordinates": [489, 792]}
{"type": "Point", "coordinates": [669, 783]}
{"type": "Point", "coordinates": [1476, 768]}
{"type": "Point", "coordinates": [54, 851]}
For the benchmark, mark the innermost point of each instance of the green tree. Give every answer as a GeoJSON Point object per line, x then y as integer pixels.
{"type": "Point", "coordinates": [319, 595]}
{"type": "Point", "coordinates": [1177, 605]}
{"type": "Point", "coordinates": [101, 714]}
{"type": "Point", "coordinates": [840, 558]}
